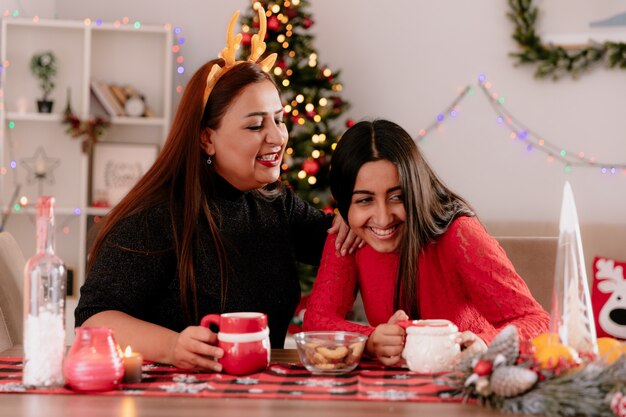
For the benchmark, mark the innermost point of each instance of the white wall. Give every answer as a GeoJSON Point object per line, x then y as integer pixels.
{"type": "Point", "coordinates": [406, 59]}
{"type": "Point", "coordinates": [29, 8]}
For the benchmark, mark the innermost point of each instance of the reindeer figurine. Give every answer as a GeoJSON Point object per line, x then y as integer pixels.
{"type": "Point", "coordinates": [610, 280]}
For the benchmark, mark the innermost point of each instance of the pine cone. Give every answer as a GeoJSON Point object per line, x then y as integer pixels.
{"type": "Point", "coordinates": [506, 343]}
{"type": "Point", "coordinates": [509, 381]}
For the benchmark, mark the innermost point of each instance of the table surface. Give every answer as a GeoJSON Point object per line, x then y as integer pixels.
{"type": "Point", "coordinates": [37, 405]}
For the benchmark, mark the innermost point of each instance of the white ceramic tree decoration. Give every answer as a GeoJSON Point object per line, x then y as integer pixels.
{"type": "Point", "coordinates": [572, 312]}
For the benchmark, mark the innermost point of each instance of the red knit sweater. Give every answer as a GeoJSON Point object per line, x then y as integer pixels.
{"type": "Point", "coordinates": [464, 277]}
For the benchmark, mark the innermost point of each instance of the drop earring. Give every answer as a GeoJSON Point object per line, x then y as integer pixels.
{"type": "Point", "coordinates": [209, 161]}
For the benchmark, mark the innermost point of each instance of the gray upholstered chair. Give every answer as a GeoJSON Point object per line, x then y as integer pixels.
{"type": "Point", "coordinates": [11, 292]}
{"type": "Point", "coordinates": [534, 259]}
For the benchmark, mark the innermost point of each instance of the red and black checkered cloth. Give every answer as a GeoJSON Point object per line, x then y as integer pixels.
{"type": "Point", "coordinates": [370, 381]}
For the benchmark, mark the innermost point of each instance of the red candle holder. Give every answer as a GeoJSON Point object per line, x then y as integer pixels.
{"type": "Point", "coordinates": [94, 362]}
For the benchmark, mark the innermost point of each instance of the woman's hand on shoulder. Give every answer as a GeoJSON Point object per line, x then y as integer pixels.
{"type": "Point", "coordinates": [347, 241]}
{"type": "Point", "coordinates": [194, 348]}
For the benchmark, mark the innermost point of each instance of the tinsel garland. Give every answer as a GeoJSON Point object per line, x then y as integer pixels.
{"type": "Point", "coordinates": [553, 60]}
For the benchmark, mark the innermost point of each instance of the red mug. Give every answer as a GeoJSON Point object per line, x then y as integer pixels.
{"type": "Point", "coordinates": [245, 339]}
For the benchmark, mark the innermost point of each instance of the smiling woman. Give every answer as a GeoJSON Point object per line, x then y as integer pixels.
{"type": "Point", "coordinates": [247, 147]}
{"type": "Point", "coordinates": [377, 212]}
{"type": "Point", "coordinates": [427, 256]}
{"type": "Point", "coordinates": [209, 228]}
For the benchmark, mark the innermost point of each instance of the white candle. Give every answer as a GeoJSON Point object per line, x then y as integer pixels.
{"type": "Point", "coordinates": [132, 366]}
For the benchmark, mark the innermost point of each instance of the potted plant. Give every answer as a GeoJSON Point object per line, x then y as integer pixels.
{"type": "Point", "coordinates": [44, 67]}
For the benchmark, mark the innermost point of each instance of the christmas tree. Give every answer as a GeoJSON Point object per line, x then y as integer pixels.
{"type": "Point", "coordinates": [312, 96]}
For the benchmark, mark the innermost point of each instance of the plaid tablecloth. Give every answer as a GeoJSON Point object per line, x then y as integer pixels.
{"type": "Point", "coordinates": [370, 382]}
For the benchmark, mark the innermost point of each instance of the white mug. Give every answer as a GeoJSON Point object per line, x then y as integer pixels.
{"type": "Point", "coordinates": [431, 345]}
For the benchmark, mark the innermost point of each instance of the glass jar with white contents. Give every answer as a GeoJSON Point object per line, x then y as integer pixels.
{"type": "Point", "coordinates": [44, 306]}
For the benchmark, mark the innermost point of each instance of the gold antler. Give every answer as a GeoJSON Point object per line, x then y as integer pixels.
{"type": "Point", "coordinates": [258, 40]}
{"type": "Point", "coordinates": [232, 42]}
{"type": "Point", "coordinates": [232, 45]}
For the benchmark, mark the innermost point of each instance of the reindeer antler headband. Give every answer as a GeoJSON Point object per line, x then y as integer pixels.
{"type": "Point", "coordinates": [232, 44]}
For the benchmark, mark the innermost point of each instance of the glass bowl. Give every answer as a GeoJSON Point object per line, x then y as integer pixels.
{"type": "Point", "coordinates": [330, 352]}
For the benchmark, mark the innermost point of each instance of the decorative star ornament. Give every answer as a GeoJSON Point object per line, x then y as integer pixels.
{"type": "Point", "coordinates": [40, 167]}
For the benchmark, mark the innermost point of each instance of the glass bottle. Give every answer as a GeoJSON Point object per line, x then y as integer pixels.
{"type": "Point", "coordinates": [44, 306]}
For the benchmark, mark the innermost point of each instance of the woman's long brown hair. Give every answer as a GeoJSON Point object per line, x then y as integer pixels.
{"type": "Point", "coordinates": [430, 206]}
{"type": "Point", "coordinates": [181, 178]}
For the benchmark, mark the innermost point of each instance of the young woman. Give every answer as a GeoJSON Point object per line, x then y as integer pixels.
{"type": "Point", "coordinates": [209, 228]}
{"type": "Point", "coordinates": [426, 254]}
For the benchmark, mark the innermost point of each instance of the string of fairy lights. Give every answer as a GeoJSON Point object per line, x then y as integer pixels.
{"type": "Point", "coordinates": [521, 133]}
{"type": "Point", "coordinates": [18, 203]}
{"type": "Point", "coordinates": [516, 129]}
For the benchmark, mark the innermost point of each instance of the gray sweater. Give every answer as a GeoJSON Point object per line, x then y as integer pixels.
{"type": "Point", "coordinates": [136, 269]}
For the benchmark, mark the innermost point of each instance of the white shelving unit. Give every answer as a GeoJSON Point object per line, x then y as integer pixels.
{"type": "Point", "coordinates": [119, 54]}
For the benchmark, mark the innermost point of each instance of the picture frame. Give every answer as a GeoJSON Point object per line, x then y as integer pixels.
{"type": "Point", "coordinates": [116, 167]}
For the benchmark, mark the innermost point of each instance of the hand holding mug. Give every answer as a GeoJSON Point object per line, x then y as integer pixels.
{"type": "Point", "coordinates": [195, 348]}
{"type": "Point", "coordinates": [387, 340]}
{"type": "Point", "coordinates": [244, 340]}
{"type": "Point", "coordinates": [431, 345]}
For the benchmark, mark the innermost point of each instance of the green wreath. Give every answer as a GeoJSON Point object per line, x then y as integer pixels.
{"type": "Point", "coordinates": [556, 61]}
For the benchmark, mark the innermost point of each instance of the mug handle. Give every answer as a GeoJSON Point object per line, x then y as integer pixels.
{"type": "Point", "coordinates": [210, 319]}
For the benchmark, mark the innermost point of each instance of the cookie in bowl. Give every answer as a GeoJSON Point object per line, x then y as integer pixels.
{"type": "Point", "coordinates": [330, 352]}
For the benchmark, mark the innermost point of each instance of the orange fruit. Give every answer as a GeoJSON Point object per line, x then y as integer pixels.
{"type": "Point", "coordinates": [609, 349]}
{"type": "Point", "coordinates": [544, 339]}
{"type": "Point", "coordinates": [548, 355]}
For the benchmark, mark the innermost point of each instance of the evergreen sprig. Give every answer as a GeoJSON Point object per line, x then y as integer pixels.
{"type": "Point", "coordinates": [553, 60]}
{"type": "Point", "coordinates": [583, 392]}
{"type": "Point", "coordinates": [504, 379]}
{"type": "Point", "coordinates": [586, 392]}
